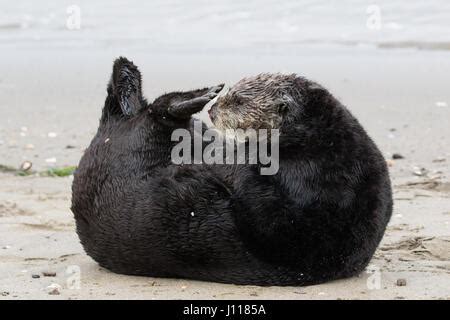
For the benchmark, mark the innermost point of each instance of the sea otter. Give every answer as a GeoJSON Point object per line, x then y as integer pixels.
{"type": "Point", "coordinates": [319, 218]}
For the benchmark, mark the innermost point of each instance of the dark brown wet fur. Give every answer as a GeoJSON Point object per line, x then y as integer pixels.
{"type": "Point", "coordinates": [319, 218]}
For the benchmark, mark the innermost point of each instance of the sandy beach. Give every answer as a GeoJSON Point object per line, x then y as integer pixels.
{"type": "Point", "coordinates": [50, 102]}
{"type": "Point", "coordinates": [398, 104]}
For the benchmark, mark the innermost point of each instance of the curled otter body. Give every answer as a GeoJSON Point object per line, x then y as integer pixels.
{"type": "Point", "coordinates": [319, 218]}
{"type": "Point", "coordinates": [327, 208]}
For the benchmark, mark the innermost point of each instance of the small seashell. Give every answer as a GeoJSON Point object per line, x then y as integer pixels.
{"type": "Point", "coordinates": [50, 160]}
{"type": "Point", "coordinates": [419, 171]}
{"type": "Point", "coordinates": [26, 165]}
{"type": "Point", "coordinates": [53, 286]}
{"type": "Point", "coordinates": [52, 134]}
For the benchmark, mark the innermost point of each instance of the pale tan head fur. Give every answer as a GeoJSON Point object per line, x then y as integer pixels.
{"type": "Point", "coordinates": [254, 102]}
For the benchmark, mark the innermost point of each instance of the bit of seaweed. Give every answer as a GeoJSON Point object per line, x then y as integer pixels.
{"type": "Point", "coordinates": [53, 172]}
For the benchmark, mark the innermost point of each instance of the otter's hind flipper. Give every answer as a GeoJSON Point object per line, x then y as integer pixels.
{"type": "Point", "coordinates": [124, 91]}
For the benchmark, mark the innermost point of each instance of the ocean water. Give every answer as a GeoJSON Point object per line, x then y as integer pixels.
{"type": "Point", "coordinates": [232, 25]}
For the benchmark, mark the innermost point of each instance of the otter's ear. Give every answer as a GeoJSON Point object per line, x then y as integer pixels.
{"type": "Point", "coordinates": [126, 86]}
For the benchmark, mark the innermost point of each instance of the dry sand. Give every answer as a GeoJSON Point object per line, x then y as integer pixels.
{"type": "Point", "coordinates": [53, 101]}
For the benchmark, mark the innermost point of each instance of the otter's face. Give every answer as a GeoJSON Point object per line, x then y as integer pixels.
{"type": "Point", "coordinates": [254, 103]}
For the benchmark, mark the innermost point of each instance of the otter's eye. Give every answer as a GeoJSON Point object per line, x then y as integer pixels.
{"type": "Point", "coordinates": [281, 107]}
{"type": "Point", "coordinates": [237, 100]}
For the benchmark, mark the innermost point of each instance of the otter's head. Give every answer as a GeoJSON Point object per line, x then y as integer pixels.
{"type": "Point", "coordinates": [258, 102]}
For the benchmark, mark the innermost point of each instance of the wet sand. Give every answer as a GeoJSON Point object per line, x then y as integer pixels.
{"type": "Point", "coordinates": [50, 106]}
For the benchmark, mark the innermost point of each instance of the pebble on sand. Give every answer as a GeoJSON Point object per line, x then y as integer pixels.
{"type": "Point", "coordinates": [49, 274]}
{"type": "Point", "coordinates": [401, 282]}
{"type": "Point", "coordinates": [397, 156]}
{"type": "Point", "coordinates": [390, 163]}
{"type": "Point", "coordinates": [52, 134]}
{"type": "Point", "coordinates": [35, 276]}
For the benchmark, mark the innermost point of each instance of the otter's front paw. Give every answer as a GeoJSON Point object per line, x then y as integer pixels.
{"type": "Point", "coordinates": [184, 109]}
{"type": "Point", "coordinates": [214, 91]}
